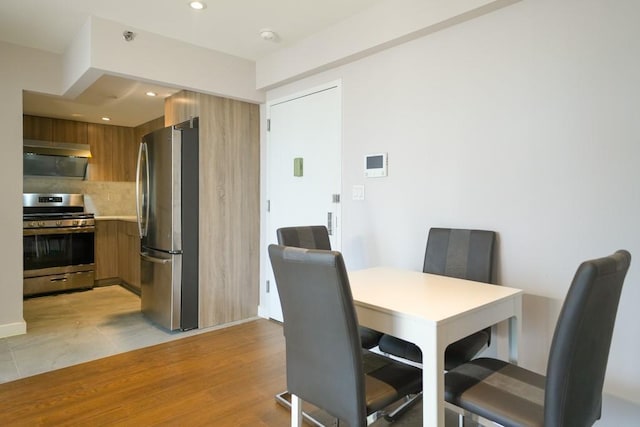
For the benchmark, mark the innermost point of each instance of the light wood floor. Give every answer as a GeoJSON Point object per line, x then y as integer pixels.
{"type": "Point", "coordinates": [226, 377]}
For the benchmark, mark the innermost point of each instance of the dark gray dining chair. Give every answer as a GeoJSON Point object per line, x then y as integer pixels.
{"type": "Point", "coordinates": [326, 364]}
{"type": "Point", "coordinates": [317, 237]}
{"type": "Point", "coordinates": [465, 254]}
{"type": "Point", "coordinates": [571, 392]}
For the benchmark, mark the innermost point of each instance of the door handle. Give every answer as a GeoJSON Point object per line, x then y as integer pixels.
{"type": "Point", "coordinates": [145, 256]}
{"type": "Point", "coordinates": [330, 223]}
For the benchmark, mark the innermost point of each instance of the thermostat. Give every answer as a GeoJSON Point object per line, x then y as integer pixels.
{"type": "Point", "coordinates": [375, 165]}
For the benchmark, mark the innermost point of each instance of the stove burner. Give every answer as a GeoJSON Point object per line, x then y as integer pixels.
{"type": "Point", "coordinates": [56, 215]}
{"type": "Point", "coordinates": [55, 211]}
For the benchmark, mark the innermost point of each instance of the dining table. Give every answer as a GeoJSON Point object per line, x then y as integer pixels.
{"type": "Point", "coordinates": [433, 311]}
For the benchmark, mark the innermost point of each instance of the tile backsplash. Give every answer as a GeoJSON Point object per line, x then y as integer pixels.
{"type": "Point", "coordinates": [100, 197]}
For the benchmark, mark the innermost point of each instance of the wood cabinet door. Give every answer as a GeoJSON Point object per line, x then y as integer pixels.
{"type": "Point", "coordinates": [130, 253]}
{"type": "Point", "coordinates": [113, 153]}
{"type": "Point", "coordinates": [69, 131]}
{"type": "Point", "coordinates": [39, 128]}
{"type": "Point", "coordinates": [125, 153]}
{"type": "Point", "coordinates": [106, 249]}
{"type": "Point", "coordinates": [100, 168]}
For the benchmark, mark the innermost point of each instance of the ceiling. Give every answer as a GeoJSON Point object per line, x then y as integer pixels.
{"type": "Point", "coordinates": [229, 26]}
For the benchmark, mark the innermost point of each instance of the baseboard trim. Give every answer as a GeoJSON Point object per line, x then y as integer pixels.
{"type": "Point", "coordinates": [11, 329]}
{"type": "Point", "coordinates": [263, 312]}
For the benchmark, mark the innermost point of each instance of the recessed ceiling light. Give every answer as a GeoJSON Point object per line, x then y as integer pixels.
{"type": "Point", "coordinates": [268, 35]}
{"type": "Point", "coordinates": [151, 93]}
{"type": "Point", "coordinates": [106, 119]}
{"type": "Point", "coordinates": [197, 5]}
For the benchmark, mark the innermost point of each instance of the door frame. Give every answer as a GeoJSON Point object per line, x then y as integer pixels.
{"type": "Point", "coordinates": [264, 309]}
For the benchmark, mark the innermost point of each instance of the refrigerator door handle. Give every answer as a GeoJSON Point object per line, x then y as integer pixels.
{"type": "Point", "coordinates": [142, 200]}
{"type": "Point", "coordinates": [147, 194]}
{"type": "Point", "coordinates": [138, 207]}
{"type": "Point", "coordinates": [145, 256]}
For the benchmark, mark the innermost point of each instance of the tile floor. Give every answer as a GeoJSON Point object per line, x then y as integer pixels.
{"type": "Point", "coordinates": [67, 329]}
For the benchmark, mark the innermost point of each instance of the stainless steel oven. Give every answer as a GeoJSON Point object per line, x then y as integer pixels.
{"type": "Point", "coordinates": [58, 243]}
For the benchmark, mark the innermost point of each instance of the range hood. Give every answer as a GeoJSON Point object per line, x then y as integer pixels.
{"type": "Point", "coordinates": [55, 159]}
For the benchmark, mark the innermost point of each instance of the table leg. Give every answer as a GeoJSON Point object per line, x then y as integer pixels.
{"type": "Point", "coordinates": [432, 383]}
{"type": "Point", "coordinates": [515, 330]}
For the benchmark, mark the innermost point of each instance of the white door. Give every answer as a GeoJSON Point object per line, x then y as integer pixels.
{"type": "Point", "coordinates": [303, 169]}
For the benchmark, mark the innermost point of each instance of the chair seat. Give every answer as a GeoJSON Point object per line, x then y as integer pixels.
{"type": "Point", "coordinates": [497, 390]}
{"type": "Point", "coordinates": [456, 354]}
{"type": "Point", "coordinates": [387, 380]}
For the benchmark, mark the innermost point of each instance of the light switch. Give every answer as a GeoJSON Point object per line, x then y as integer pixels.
{"type": "Point", "coordinates": [357, 192]}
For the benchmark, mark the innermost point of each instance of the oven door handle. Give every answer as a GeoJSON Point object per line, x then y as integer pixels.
{"type": "Point", "coordinates": [145, 256]}
{"type": "Point", "coordinates": [61, 230]}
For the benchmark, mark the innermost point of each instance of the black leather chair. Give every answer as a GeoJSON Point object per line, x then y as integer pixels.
{"type": "Point", "coordinates": [326, 364]}
{"type": "Point", "coordinates": [571, 392]}
{"type": "Point", "coordinates": [317, 237]}
{"type": "Point", "coordinates": [465, 254]}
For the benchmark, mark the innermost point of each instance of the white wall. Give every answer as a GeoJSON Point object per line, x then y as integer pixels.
{"type": "Point", "coordinates": [522, 121]}
{"type": "Point", "coordinates": [41, 72]}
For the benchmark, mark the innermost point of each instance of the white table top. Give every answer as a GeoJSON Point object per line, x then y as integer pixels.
{"type": "Point", "coordinates": [412, 292]}
{"type": "Point", "coordinates": [432, 311]}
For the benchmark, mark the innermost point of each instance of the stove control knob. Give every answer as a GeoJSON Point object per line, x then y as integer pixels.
{"type": "Point", "coordinates": [33, 223]}
{"type": "Point", "coordinates": [75, 222]}
{"type": "Point", "coordinates": [41, 223]}
{"type": "Point", "coordinates": [58, 222]}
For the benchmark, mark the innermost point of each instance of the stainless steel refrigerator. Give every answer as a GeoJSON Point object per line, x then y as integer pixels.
{"type": "Point", "coordinates": [167, 209]}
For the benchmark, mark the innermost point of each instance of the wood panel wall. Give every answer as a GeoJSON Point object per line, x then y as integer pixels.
{"type": "Point", "coordinates": [229, 203]}
{"type": "Point", "coordinates": [145, 128]}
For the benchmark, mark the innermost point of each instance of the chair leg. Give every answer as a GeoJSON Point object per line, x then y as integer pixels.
{"type": "Point", "coordinates": [296, 411]}
{"type": "Point", "coordinates": [397, 413]}
{"type": "Point", "coordinates": [284, 399]}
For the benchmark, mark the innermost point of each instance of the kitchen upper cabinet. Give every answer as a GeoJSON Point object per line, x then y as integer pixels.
{"type": "Point", "coordinates": [39, 128]}
{"type": "Point", "coordinates": [69, 131]}
{"type": "Point", "coordinates": [114, 149]}
{"type": "Point", "coordinates": [113, 153]}
{"type": "Point", "coordinates": [125, 154]}
{"type": "Point", "coordinates": [54, 130]}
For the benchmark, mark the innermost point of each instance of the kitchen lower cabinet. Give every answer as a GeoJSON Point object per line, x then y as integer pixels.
{"type": "Point", "coordinates": [117, 253]}
{"type": "Point", "coordinates": [106, 249]}
{"type": "Point", "coordinates": [129, 254]}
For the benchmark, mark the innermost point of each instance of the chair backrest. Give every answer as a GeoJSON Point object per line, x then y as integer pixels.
{"type": "Point", "coordinates": [309, 237]}
{"type": "Point", "coordinates": [324, 365]}
{"type": "Point", "coordinates": [465, 254]}
{"type": "Point", "coordinates": [581, 341]}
